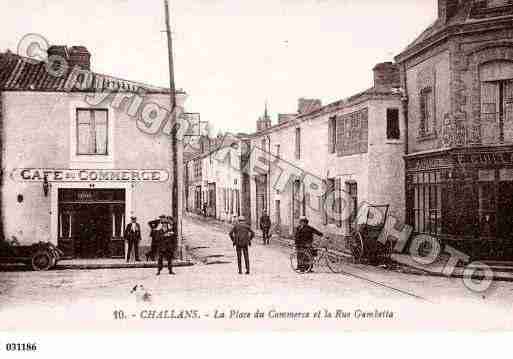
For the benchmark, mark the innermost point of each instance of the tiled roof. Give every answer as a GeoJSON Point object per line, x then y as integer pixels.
{"type": "Point", "coordinates": [22, 74]}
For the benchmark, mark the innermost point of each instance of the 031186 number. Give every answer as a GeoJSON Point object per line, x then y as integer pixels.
{"type": "Point", "coordinates": [21, 347]}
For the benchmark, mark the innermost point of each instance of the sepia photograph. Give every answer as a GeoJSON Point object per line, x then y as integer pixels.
{"type": "Point", "coordinates": [242, 166]}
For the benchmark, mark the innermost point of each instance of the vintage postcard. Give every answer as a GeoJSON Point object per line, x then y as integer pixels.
{"type": "Point", "coordinates": [280, 165]}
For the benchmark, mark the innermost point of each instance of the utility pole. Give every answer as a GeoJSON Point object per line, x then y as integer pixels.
{"type": "Point", "coordinates": [175, 150]}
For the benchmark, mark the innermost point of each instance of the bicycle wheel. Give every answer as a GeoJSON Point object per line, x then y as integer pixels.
{"type": "Point", "coordinates": [335, 262]}
{"type": "Point", "coordinates": [301, 261]}
{"type": "Point", "coordinates": [357, 246]}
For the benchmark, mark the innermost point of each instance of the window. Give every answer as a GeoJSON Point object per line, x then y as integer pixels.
{"type": "Point", "coordinates": [496, 99]}
{"type": "Point", "coordinates": [332, 135]}
{"type": "Point", "coordinates": [393, 132]}
{"type": "Point", "coordinates": [298, 144]}
{"type": "Point", "coordinates": [427, 112]}
{"type": "Point", "coordinates": [92, 130]}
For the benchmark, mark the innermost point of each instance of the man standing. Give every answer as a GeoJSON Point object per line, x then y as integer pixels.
{"type": "Point", "coordinates": [303, 238]}
{"type": "Point", "coordinates": [265, 225]}
{"type": "Point", "coordinates": [167, 243]}
{"type": "Point", "coordinates": [133, 236]}
{"type": "Point", "coordinates": [241, 236]}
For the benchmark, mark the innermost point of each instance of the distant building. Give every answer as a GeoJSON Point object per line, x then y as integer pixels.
{"type": "Point", "coordinates": [214, 178]}
{"type": "Point", "coordinates": [458, 77]}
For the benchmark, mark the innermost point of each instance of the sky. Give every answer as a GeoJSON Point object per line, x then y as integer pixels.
{"type": "Point", "coordinates": [231, 56]}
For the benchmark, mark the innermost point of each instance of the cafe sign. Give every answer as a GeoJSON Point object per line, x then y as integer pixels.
{"type": "Point", "coordinates": [88, 175]}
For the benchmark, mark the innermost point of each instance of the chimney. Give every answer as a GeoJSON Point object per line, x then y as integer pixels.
{"type": "Point", "coordinates": [386, 76]}
{"type": "Point", "coordinates": [58, 50]}
{"type": "Point", "coordinates": [81, 57]}
{"type": "Point", "coordinates": [447, 9]}
{"type": "Point", "coordinates": [306, 105]}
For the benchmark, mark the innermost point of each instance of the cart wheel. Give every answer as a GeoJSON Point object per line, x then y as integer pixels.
{"type": "Point", "coordinates": [335, 263]}
{"type": "Point", "coordinates": [357, 247]}
{"type": "Point", "coordinates": [41, 261]}
{"type": "Point", "coordinates": [307, 261]}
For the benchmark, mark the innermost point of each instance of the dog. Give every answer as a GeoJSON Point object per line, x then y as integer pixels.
{"type": "Point", "coordinates": [141, 294]}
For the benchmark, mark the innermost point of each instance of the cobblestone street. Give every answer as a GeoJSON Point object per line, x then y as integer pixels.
{"type": "Point", "coordinates": [90, 296]}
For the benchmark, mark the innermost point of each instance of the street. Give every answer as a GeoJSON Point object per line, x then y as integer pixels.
{"type": "Point", "coordinates": [70, 299]}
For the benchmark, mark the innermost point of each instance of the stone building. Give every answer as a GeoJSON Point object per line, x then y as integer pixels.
{"type": "Point", "coordinates": [81, 153]}
{"type": "Point", "coordinates": [458, 78]}
{"type": "Point", "coordinates": [326, 161]}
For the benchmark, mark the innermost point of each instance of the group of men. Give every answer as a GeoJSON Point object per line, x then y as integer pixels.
{"type": "Point", "coordinates": [242, 235]}
{"type": "Point", "coordinates": [164, 240]}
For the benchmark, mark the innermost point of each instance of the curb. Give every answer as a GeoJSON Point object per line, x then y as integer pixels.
{"type": "Point", "coordinates": [81, 266]}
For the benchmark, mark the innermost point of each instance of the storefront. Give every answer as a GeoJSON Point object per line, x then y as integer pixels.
{"type": "Point", "coordinates": [89, 208]}
{"type": "Point", "coordinates": [464, 197]}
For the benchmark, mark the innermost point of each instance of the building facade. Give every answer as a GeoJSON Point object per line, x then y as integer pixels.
{"type": "Point", "coordinates": [458, 77]}
{"type": "Point", "coordinates": [326, 161]}
{"type": "Point", "coordinates": [79, 156]}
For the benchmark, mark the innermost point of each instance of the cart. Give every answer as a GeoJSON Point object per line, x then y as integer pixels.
{"type": "Point", "coordinates": [363, 242]}
{"type": "Point", "coordinates": [38, 256]}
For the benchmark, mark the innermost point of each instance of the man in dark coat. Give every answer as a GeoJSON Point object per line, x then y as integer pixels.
{"type": "Point", "coordinates": [303, 238]}
{"type": "Point", "coordinates": [167, 243]}
{"type": "Point", "coordinates": [265, 226]}
{"type": "Point", "coordinates": [152, 254]}
{"type": "Point", "coordinates": [241, 236]}
{"type": "Point", "coordinates": [133, 236]}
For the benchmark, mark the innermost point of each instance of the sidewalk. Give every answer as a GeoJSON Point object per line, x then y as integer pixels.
{"type": "Point", "coordinates": [112, 264]}
{"type": "Point", "coordinates": [503, 271]}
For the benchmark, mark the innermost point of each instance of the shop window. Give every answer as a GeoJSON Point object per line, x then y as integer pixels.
{"type": "Point", "coordinates": [487, 209]}
{"type": "Point", "coordinates": [427, 202]}
{"type": "Point", "coordinates": [427, 112]}
{"type": "Point", "coordinates": [92, 132]}
{"type": "Point", "coordinates": [393, 132]}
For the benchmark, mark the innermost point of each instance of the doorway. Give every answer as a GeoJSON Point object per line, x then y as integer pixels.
{"type": "Point", "coordinates": [505, 211]}
{"type": "Point", "coordinates": [91, 222]}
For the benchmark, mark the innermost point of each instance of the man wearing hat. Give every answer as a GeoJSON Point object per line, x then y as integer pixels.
{"type": "Point", "coordinates": [133, 236]}
{"type": "Point", "coordinates": [265, 226]}
{"type": "Point", "coordinates": [303, 238]}
{"type": "Point", "coordinates": [241, 236]}
{"type": "Point", "coordinates": [167, 243]}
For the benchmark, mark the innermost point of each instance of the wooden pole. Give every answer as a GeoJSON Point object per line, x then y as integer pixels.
{"type": "Point", "coordinates": [176, 184]}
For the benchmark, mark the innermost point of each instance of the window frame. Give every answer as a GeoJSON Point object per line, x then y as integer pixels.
{"type": "Point", "coordinates": [91, 111]}
{"type": "Point", "coordinates": [397, 126]}
{"type": "Point", "coordinates": [427, 107]}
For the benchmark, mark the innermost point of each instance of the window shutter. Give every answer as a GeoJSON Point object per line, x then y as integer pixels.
{"type": "Point", "coordinates": [422, 126]}
{"type": "Point", "coordinates": [340, 136]}
{"type": "Point", "coordinates": [364, 133]}
{"type": "Point", "coordinates": [338, 203]}
{"type": "Point", "coordinates": [331, 145]}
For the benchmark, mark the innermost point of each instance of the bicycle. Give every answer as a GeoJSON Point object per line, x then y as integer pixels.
{"type": "Point", "coordinates": [309, 257]}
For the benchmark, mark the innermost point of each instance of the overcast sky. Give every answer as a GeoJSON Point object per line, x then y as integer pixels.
{"type": "Point", "coordinates": [231, 55]}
